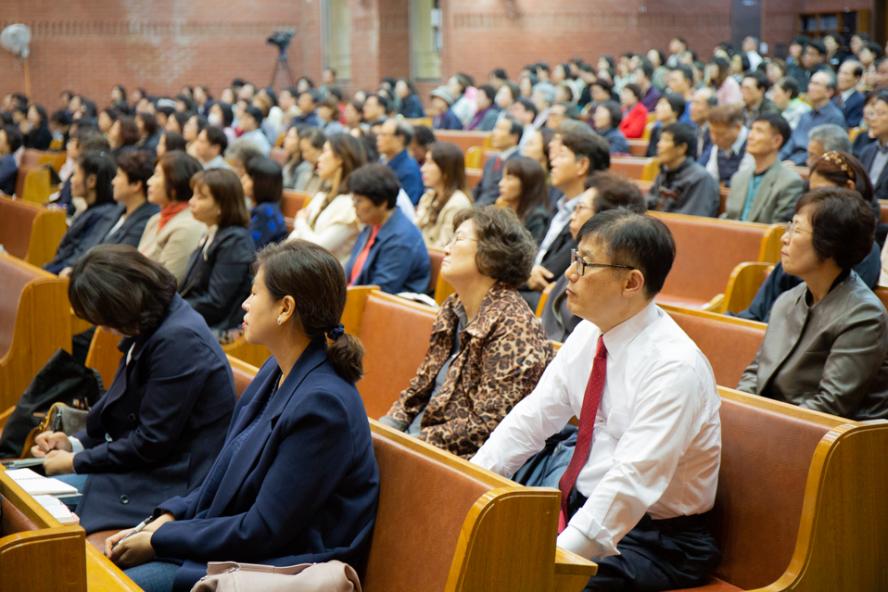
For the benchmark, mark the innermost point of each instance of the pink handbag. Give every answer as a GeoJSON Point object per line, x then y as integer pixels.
{"type": "Point", "coordinates": [230, 576]}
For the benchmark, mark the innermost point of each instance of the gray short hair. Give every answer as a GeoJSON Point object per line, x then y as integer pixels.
{"type": "Point", "coordinates": [831, 136]}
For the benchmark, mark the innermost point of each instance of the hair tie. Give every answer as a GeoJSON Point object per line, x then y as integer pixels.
{"type": "Point", "coordinates": [336, 332]}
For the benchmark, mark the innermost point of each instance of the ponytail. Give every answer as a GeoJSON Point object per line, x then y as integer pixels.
{"type": "Point", "coordinates": [346, 354]}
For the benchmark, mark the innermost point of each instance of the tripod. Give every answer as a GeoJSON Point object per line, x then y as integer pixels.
{"type": "Point", "coordinates": [282, 65]}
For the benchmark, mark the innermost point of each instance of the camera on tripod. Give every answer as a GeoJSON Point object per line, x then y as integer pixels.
{"type": "Point", "coordinates": [281, 39]}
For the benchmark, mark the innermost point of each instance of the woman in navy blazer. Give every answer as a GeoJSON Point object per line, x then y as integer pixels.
{"type": "Point", "coordinates": [218, 277]}
{"type": "Point", "coordinates": [157, 430]}
{"type": "Point", "coordinates": [390, 251]}
{"type": "Point", "coordinates": [296, 480]}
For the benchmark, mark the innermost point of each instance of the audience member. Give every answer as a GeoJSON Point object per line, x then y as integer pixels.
{"type": "Point", "coordinates": [35, 128]}
{"type": "Point", "coordinates": [444, 177]}
{"type": "Point", "coordinates": [643, 77]}
{"type": "Point", "coordinates": [504, 139]}
{"type": "Point", "coordinates": [156, 431]}
{"type": "Point", "coordinates": [217, 280]}
{"type": "Point", "coordinates": [410, 104]}
{"type": "Point", "coordinates": [170, 142]}
{"type": "Point", "coordinates": [634, 120]}
{"type": "Point", "coordinates": [820, 90]}
{"type": "Point", "coordinates": [826, 343]}
{"type": "Point", "coordinates": [172, 234]}
{"type": "Point", "coordinates": [606, 122]}
{"type": "Point", "coordinates": [389, 252]}
{"type": "Point", "coordinates": [766, 193]}
{"type": "Point", "coordinates": [423, 138]}
{"type": "Point", "coordinates": [329, 219]}
{"type": "Point", "coordinates": [10, 142]}
{"type": "Point", "coordinates": [702, 102]}
{"type": "Point", "coordinates": [785, 95]}
{"type": "Point", "coordinates": [210, 145]}
{"type": "Point", "coordinates": [726, 153]}
{"type": "Point", "coordinates": [826, 138]}
{"type": "Point", "coordinates": [523, 190]}
{"type": "Point", "coordinates": [487, 351]}
{"type": "Point", "coordinates": [669, 108]}
{"type": "Point", "coordinates": [682, 186]}
{"type": "Point", "coordinates": [263, 186]}
{"type": "Point", "coordinates": [306, 105]}
{"type": "Point", "coordinates": [753, 88]}
{"type": "Point", "coordinates": [375, 110]}
{"type": "Point", "coordinates": [392, 141]}
{"type": "Point", "coordinates": [875, 156]}
{"type": "Point", "coordinates": [301, 420]}
{"type": "Point", "coordinates": [328, 115]}
{"type": "Point", "coordinates": [604, 191]}
{"type": "Point", "coordinates": [92, 182]}
{"type": "Point", "coordinates": [637, 503]}
{"type": "Point", "coordinates": [442, 115]}
{"type": "Point", "coordinates": [486, 111]}
{"type": "Point", "coordinates": [847, 97]}
{"type": "Point", "coordinates": [130, 187]}
{"type": "Point", "coordinates": [251, 125]}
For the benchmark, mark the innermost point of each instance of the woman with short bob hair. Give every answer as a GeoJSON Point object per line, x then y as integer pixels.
{"type": "Point", "coordinates": [157, 429]}
{"type": "Point", "coordinates": [218, 276]}
{"type": "Point", "coordinates": [172, 234]}
{"type": "Point", "coordinates": [487, 350]}
{"type": "Point", "coordinates": [296, 479]}
{"type": "Point", "coordinates": [826, 344]}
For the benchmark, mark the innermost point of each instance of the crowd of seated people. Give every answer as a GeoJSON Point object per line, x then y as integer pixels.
{"type": "Point", "coordinates": [178, 200]}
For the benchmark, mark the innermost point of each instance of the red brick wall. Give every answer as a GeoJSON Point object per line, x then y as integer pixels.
{"type": "Point", "coordinates": [89, 45]}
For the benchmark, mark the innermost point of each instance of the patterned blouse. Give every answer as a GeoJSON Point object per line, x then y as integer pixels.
{"type": "Point", "coordinates": [503, 353]}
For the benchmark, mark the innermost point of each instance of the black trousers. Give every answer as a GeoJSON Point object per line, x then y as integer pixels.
{"type": "Point", "coordinates": [657, 555]}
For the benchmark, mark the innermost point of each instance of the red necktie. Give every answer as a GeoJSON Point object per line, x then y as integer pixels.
{"type": "Point", "coordinates": [362, 256]}
{"type": "Point", "coordinates": [497, 164]}
{"type": "Point", "coordinates": [591, 401]}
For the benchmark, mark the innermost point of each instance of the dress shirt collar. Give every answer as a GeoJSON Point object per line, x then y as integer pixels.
{"type": "Point", "coordinates": [737, 146]}
{"type": "Point", "coordinates": [617, 340]}
{"type": "Point", "coordinates": [847, 94]}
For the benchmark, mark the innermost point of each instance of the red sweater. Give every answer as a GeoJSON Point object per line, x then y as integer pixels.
{"type": "Point", "coordinates": [634, 121]}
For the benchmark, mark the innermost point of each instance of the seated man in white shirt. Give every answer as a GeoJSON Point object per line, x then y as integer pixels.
{"type": "Point", "coordinates": [644, 472]}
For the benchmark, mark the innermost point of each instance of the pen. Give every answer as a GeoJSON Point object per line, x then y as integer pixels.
{"type": "Point", "coordinates": [139, 528]}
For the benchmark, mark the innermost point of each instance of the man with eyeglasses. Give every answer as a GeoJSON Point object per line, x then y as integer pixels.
{"type": "Point", "coordinates": [875, 156]}
{"type": "Point", "coordinates": [644, 472]}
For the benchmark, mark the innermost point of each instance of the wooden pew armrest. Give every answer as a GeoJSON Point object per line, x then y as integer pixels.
{"type": "Point", "coordinates": [572, 571]}
{"type": "Point", "coordinates": [101, 574]}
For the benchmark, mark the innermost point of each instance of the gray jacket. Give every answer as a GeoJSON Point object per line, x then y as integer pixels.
{"type": "Point", "coordinates": [687, 189]}
{"type": "Point", "coordinates": [775, 200]}
{"type": "Point", "coordinates": [829, 357]}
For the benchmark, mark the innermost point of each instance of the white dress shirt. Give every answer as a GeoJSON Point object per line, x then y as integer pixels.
{"type": "Point", "coordinates": [560, 220]}
{"type": "Point", "coordinates": [656, 446]}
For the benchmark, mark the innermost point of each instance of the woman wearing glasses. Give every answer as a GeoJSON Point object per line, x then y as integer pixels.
{"type": "Point", "coordinates": [826, 344]}
{"type": "Point", "coordinates": [487, 350]}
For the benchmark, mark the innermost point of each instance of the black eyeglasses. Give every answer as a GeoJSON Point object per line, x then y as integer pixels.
{"type": "Point", "coordinates": [583, 265]}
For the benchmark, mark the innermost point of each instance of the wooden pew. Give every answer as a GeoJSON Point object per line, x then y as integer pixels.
{"type": "Point", "coordinates": [475, 157]}
{"type": "Point", "coordinates": [463, 139]}
{"type": "Point", "coordinates": [743, 283]}
{"type": "Point", "coordinates": [883, 211]}
{"type": "Point", "coordinates": [34, 323]}
{"type": "Point", "coordinates": [445, 524]}
{"type": "Point", "coordinates": [638, 147]}
{"type": "Point", "coordinates": [634, 167]}
{"type": "Point", "coordinates": [36, 552]}
{"type": "Point", "coordinates": [243, 374]}
{"type": "Point", "coordinates": [707, 251]}
{"type": "Point", "coordinates": [882, 293]}
{"type": "Point", "coordinates": [103, 355]}
{"type": "Point", "coordinates": [729, 343]}
{"type": "Point", "coordinates": [46, 555]}
{"type": "Point", "coordinates": [29, 231]}
{"type": "Point", "coordinates": [436, 257]}
{"type": "Point", "coordinates": [291, 203]}
{"type": "Point", "coordinates": [800, 502]}
{"type": "Point", "coordinates": [473, 177]}
{"type": "Point", "coordinates": [395, 333]}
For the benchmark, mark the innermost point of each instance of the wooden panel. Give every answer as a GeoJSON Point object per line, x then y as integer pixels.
{"type": "Point", "coordinates": [29, 231]}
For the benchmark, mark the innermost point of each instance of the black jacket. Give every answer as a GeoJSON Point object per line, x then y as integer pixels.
{"type": "Point", "coordinates": [217, 282]}
{"type": "Point", "coordinates": [880, 185]}
{"type": "Point", "coordinates": [130, 232]}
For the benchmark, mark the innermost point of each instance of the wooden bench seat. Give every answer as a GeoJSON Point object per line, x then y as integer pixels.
{"type": "Point", "coordinates": [29, 231]}
{"type": "Point", "coordinates": [800, 503]}
{"type": "Point", "coordinates": [729, 343]}
{"type": "Point", "coordinates": [34, 323]}
{"type": "Point", "coordinates": [707, 251]}
{"type": "Point", "coordinates": [464, 139]}
{"type": "Point", "coordinates": [635, 167]}
{"type": "Point", "coordinates": [291, 203]}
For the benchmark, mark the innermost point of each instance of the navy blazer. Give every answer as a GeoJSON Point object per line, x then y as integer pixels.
{"type": "Point", "coordinates": [218, 282]}
{"type": "Point", "coordinates": [156, 431]}
{"type": "Point", "coordinates": [398, 260]}
{"type": "Point", "coordinates": [130, 232]}
{"type": "Point", "coordinates": [411, 107]}
{"type": "Point", "coordinates": [880, 185]}
{"type": "Point", "coordinates": [852, 109]}
{"type": "Point", "coordinates": [409, 176]}
{"type": "Point", "coordinates": [300, 486]}
{"type": "Point", "coordinates": [85, 232]}
{"type": "Point", "coordinates": [8, 174]}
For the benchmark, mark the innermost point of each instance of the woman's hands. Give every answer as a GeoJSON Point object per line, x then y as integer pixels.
{"type": "Point", "coordinates": [128, 548]}
{"type": "Point", "coordinates": [47, 441]}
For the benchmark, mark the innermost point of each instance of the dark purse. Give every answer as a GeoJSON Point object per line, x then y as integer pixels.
{"type": "Point", "coordinates": [62, 380]}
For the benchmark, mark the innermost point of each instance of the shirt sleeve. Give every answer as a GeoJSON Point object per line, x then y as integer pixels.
{"type": "Point", "coordinates": [663, 423]}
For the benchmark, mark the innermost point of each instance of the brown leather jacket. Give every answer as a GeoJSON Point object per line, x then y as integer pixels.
{"type": "Point", "coordinates": [503, 353]}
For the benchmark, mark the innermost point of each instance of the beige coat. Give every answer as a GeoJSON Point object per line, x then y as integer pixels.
{"type": "Point", "coordinates": [438, 235]}
{"type": "Point", "coordinates": [335, 229]}
{"type": "Point", "coordinates": [173, 245]}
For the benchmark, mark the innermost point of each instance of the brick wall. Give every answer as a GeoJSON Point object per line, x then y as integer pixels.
{"type": "Point", "coordinates": [90, 45]}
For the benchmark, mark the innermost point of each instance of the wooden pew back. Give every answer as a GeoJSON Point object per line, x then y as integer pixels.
{"type": "Point", "coordinates": [800, 501]}
{"type": "Point", "coordinates": [707, 250]}
{"type": "Point", "coordinates": [34, 323]}
{"type": "Point", "coordinates": [395, 333]}
{"type": "Point", "coordinates": [463, 139]}
{"type": "Point", "coordinates": [729, 343]}
{"type": "Point", "coordinates": [29, 231]}
{"type": "Point", "coordinates": [635, 167]}
{"type": "Point", "coordinates": [291, 203]}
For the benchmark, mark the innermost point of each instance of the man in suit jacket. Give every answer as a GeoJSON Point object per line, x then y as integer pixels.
{"type": "Point", "coordinates": [875, 156]}
{"type": "Point", "coordinates": [504, 139]}
{"type": "Point", "coordinates": [727, 152]}
{"type": "Point", "coordinates": [848, 98]}
{"type": "Point", "coordinates": [768, 192]}
{"type": "Point", "coordinates": [392, 141]}
{"type": "Point", "coordinates": [683, 186]}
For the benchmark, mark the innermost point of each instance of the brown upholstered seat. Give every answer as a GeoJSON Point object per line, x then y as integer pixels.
{"type": "Point", "coordinates": [730, 344]}
{"type": "Point", "coordinates": [395, 334]}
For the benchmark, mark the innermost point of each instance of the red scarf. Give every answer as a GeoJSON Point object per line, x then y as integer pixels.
{"type": "Point", "coordinates": [169, 211]}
